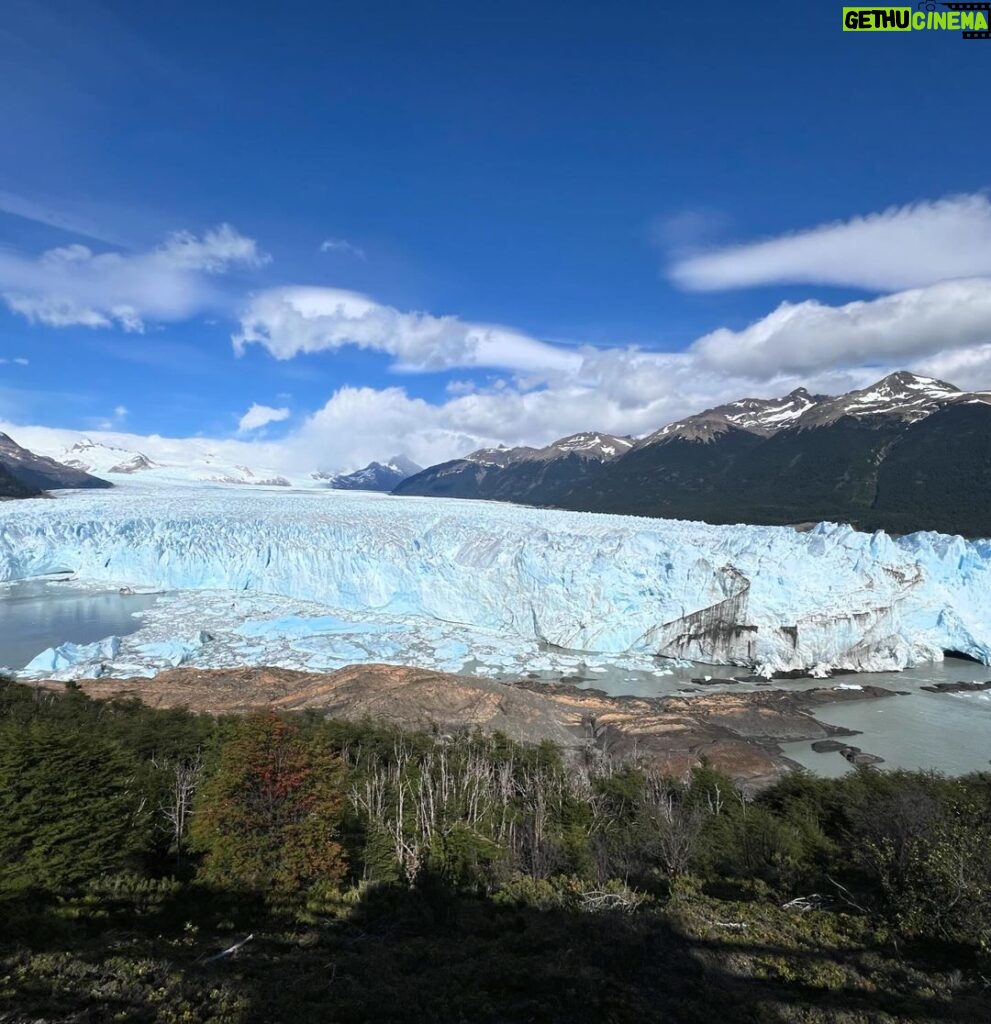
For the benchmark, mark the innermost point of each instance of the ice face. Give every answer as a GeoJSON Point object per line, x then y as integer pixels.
{"type": "Point", "coordinates": [379, 574]}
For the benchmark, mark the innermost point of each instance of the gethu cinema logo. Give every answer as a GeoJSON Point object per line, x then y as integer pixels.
{"type": "Point", "coordinates": [970, 19]}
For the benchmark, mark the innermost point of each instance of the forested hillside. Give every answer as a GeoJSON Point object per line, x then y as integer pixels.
{"type": "Point", "coordinates": [164, 866]}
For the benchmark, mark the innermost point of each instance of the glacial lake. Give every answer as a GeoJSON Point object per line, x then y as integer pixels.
{"type": "Point", "coordinates": [947, 732]}
{"type": "Point", "coordinates": [37, 614]}
{"type": "Point", "coordinates": [916, 730]}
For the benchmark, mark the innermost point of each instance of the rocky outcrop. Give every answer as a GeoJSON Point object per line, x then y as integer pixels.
{"type": "Point", "coordinates": [737, 733]}
{"type": "Point", "coordinates": [961, 687]}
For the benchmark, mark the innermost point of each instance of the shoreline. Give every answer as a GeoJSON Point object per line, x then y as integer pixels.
{"type": "Point", "coordinates": [739, 733]}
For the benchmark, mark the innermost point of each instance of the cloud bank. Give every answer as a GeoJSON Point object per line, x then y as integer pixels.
{"type": "Point", "coordinates": [932, 259]}
{"type": "Point", "coordinates": [902, 247]}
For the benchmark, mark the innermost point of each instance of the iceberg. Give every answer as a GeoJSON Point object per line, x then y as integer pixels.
{"type": "Point", "coordinates": [435, 581]}
{"type": "Point", "coordinates": [55, 660]}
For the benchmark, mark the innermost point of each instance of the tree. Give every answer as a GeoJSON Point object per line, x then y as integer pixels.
{"type": "Point", "coordinates": [70, 807]}
{"type": "Point", "coordinates": [182, 778]}
{"type": "Point", "coordinates": [268, 818]}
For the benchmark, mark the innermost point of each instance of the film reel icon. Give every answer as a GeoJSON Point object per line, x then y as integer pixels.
{"type": "Point", "coordinates": [985, 7]}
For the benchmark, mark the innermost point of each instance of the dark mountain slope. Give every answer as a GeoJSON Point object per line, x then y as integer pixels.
{"type": "Point", "coordinates": [675, 478]}
{"type": "Point", "coordinates": [938, 476]}
{"type": "Point", "coordinates": [37, 472]}
{"type": "Point", "coordinates": [539, 476]}
{"type": "Point", "coordinates": [908, 453]}
{"type": "Point", "coordinates": [934, 474]}
{"type": "Point", "coordinates": [11, 488]}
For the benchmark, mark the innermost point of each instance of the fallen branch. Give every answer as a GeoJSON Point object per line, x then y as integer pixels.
{"type": "Point", "coordinates": [228, 952]}
{"type": "Point", "coordinates": [847, 898]}
{"type": "Point", "coordinates": [811, 902]}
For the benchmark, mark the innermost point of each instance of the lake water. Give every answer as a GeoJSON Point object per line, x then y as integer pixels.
{"type": "Point", "coordinates": [947, 732]}
{"type": "Point", "coordinates": [37, 614]}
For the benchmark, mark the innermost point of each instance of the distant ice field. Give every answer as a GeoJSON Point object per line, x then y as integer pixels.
{"type": "Point", "coordinates": [319, 579]}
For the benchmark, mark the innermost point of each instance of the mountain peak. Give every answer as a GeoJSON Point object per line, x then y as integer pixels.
{"type": "Point", "coordinates": [904, 395]}
{"type": "Point", "coordinates": [763, 416]}
{"type": "Point", "coordinates": [901, 379]}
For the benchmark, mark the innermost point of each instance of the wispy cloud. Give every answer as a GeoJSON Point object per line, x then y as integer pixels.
{"type": "Point", "coordinates": [902, 247]}
{"type": "Point", "coordinates": [114, 421]}
{"type": "Point", "coordinates": [74, 286]}
{"type": "Point", "coordinates": [16, 361]}
{"type": "Point", "coordinates": [59, 215]}
{"type": "Point", "coordinates": [344, 246]}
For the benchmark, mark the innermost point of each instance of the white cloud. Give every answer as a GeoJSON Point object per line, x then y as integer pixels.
{"type": "Point", "coordinates": [16, 361]}
{"type": "Point", "coordinates": [902, 247]}
{"type": "Point", "coordinates": [344, 246]}
{"type": "Point", "coordinates": [810, 336]}
{"type": "Point", "coordinates": [73, 286]}
{"type": "Point", "coordinates": [113, 421]}
{"type": "Point", "coordinates": [295, 320]}
{"type": "Point", "coordinates": [260, 416]}
{"type": "Point", "coordinates": [219, 248]}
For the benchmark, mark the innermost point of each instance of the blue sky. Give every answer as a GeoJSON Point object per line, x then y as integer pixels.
{"type": "Point", "coordinates": [595, 181]}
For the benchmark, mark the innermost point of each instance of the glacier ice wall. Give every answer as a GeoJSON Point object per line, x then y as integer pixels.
{"type": "Point", "coordinates": [760, 596]}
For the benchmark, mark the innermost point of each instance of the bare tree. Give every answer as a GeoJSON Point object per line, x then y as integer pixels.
{"type": "Point", "coordinates": [676, 823]}
{"type": "Point", "coordinates": [175, 808]}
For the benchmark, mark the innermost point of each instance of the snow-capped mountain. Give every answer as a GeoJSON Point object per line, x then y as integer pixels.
{"type": "Point", "coordinates": [520, 474]}
{"type": "Point", "coordinates": [38, 472]}
{"type": "Point", "coordinates": [376, 476]}
{"type": "Point", "coordinates": [92, 457]}
{"type": "Point", "coordinates": [587, 445]}
{"type": "Point", "coordinates": [887, 456]}
{"type": "Point", "coordinates": [163, 461]}
{"type": "Point", "coordinates": [763, 416]}
{"type": "Point", "coordinates": [904, 396]}
{"type": "Point", "coordinates": [501, 456]}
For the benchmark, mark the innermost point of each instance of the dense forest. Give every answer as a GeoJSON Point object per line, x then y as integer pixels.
{"type": "Point", "coordinates": [171, 867]}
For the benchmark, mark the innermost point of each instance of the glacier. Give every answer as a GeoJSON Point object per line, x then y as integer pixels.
{"type": "Point", "coordinates": [317, 579]}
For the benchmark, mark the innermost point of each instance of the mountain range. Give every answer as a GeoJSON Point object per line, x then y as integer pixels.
{"type": "Point", "coordinates": [907, 453]}
{"type": "Point", "coordinates": [376, 476]}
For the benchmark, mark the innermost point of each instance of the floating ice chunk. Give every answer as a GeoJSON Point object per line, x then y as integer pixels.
{"type": "Point", "coordinates": [66, 656]}
{"type": "Point", "coordinates": [173, 652]}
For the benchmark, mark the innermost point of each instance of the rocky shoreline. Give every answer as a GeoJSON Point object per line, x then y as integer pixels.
{"type": "Point", "coordinates": [738, 733]}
